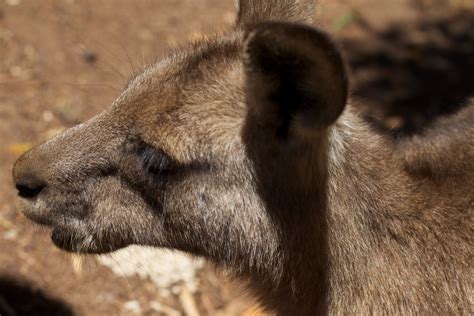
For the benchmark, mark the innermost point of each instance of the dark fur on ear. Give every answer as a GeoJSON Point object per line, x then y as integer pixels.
{"type": "Point", "coordinates": [252, 12]}
{"type": "Point", "coordinates": [295, 77]}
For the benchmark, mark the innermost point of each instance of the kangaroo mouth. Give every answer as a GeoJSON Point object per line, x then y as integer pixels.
{"type": "Point", "coordinates": [47, 213]}
{"type": "Point", "coordinates": [74, 225]}
{"type": "Point", "coordinates": [35, 213]}
{"type": "Point", "coordinates": [67, 233]}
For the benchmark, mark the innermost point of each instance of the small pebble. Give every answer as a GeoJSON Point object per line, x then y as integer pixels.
{"type": "Point", "coordinates": [19, 73]}
{"type": "Point", "coordinates": [89, 56]}
{"type": "Point", "coordinates": [13, 2]}
{"type": "Point", "coordinates": [10, 235]}
{"type": "Point", "coordinates": [48, 116]}
{"type": "Point", "coordinates": [133, 306]}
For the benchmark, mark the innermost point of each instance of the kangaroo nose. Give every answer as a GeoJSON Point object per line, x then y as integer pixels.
{"type": "Point", "coordinates": [29, 187]}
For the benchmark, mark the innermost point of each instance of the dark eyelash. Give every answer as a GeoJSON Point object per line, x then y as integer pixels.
{"type": "Point", "coordinates": [156, 161]}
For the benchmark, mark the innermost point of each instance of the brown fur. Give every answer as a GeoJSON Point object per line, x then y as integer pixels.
{"type": "Point", "coordinates": [242, 149]}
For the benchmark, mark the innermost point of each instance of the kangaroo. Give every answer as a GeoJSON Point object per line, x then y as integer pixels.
{"type": "Point", "coordinates": [244, 148]}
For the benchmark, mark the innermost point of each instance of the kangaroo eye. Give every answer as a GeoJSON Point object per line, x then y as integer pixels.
{"type": "Point", "coordinates": [156, 161]}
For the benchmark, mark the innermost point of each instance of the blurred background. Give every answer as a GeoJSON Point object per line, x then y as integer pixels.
{"type": "Point", "coordinates": [62, 61]}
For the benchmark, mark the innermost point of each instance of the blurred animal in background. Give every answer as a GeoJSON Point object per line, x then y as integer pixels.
{"type": "Point", "coordinates": [244, 149]}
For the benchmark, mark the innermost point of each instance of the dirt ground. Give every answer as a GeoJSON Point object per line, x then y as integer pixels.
{"type": "Point", "coordinates": [62, 61]}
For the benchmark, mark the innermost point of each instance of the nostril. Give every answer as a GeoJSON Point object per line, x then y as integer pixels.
{"type": "Point", "coordinates": [29, 188]}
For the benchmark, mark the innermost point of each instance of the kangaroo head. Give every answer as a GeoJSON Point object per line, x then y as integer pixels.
{"type": "Point", "coordinates": [215, 150]}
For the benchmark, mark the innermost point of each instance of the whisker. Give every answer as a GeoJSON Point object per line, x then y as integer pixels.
{"type": "Point", "coordinates": [82, 42]}
{"type": "Point", "coordinates": [129, 59]}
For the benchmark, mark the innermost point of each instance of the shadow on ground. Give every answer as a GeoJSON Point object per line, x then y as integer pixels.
{"type": "Point", "coordinates": [408, 74]}
{"type": "Point", "coordinates": [18, 298]}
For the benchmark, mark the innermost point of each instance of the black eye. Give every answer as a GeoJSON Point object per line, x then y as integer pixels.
{"type": "Point", "coordinates": [156, 161]}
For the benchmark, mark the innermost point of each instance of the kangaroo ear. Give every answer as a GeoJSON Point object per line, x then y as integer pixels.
{"type": "Point", "coordinates": [252, 12]}
{"type": "Point", "coordinates": [295, 78]}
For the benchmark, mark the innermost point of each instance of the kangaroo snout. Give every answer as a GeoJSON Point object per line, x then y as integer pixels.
{"type": "Point", "coordinates": [46, 179]}
{"type": "Point", "coordinates": [28, 181]}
